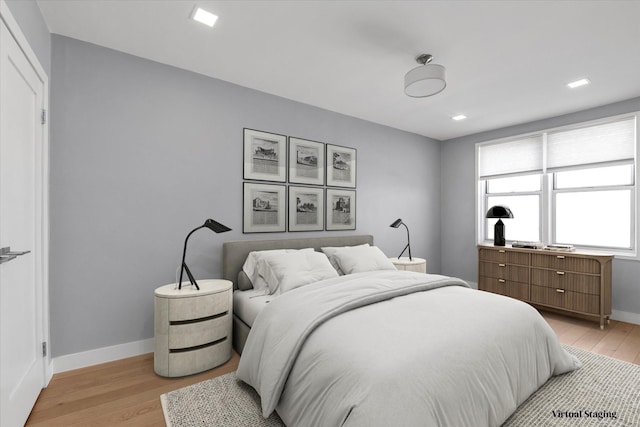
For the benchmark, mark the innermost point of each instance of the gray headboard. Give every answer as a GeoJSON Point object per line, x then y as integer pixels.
{"type": "Point", "coordinates": [235, 253]}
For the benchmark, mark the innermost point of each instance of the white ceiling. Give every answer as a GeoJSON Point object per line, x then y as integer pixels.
{"type": "Point", "coordinates": [507, 62]}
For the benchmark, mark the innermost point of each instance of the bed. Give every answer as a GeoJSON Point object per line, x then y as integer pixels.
{"type": "Point", "coordinates": [235, 253]}
{"type": "Point", "coordinates": [378, 347]}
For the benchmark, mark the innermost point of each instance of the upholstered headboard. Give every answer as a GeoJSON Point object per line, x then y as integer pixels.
{"type": "Point", "coordinates": [235, 253]}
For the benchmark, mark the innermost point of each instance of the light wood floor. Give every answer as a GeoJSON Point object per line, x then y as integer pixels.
{"type": "Point", "coordinates": [126, 392]}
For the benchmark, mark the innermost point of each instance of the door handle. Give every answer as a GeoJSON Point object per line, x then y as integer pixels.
{"type": "Point", "coordinates": [6, 254]}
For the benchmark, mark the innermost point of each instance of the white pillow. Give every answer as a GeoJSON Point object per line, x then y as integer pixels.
{"type": "Point", "coordinates": [252, 264]}
{"type": "Point", "coordinates": [286, 271]}
{"type": "Point", "coordinates": [331, 252]}
{"type": "Point", "coordinates": [358, 259]}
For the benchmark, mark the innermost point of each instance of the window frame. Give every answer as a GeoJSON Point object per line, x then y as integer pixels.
{"type": "Point", "coordinates": [632, 229]}
{"type": "Point", "coordinates": [548, 192]}
{"type": "Point", "coordinates": [487, 194]}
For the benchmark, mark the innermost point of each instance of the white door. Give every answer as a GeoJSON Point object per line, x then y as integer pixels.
{"type": "Point", "coordinates": [22, 369]}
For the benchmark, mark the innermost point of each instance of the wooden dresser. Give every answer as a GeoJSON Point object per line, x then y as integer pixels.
{"type": "Point", "coordinates": [576, 283]}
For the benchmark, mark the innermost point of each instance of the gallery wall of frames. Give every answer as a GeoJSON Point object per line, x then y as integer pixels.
{"type": "Point", "coordinates": [294, 184]}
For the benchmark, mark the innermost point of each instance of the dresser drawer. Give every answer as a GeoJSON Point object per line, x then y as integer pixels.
{"type": "Point", "coordinates": [199, 306]}
{"type": "Point", "coordinates": [565, 263]}
{"type": "Point", "coordinates": [568, 281]}
{"type": "Point", "coordinates": [182, 363]}
{"type": "Point", "coordinates": [194, 334]}
{"type": "Point", "coordinates": [504, 256]}
{"type": "Point", "coordinates": [517, 273]}
{"type": "Point", "coordinates": [509, 288]}
{"type": "Point", "coordinates": [575, 301]}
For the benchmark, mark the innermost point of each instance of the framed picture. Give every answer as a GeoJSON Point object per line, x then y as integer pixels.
{"type": "Point", "coordinates": [341, 209]}
{"type": "Point", "coordinates": [265, 156]}
{"type": "Point", "coordinates": [341, 166]}
{"type": "Point", "coordinates": [264, 208]}
{"type": "Point", "coordinates": [306, 161]}
{"type": "Point", "coordinates": [306, 208]}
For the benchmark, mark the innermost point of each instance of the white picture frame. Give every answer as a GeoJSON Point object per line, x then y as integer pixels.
{"type": "Point", "coordinates": [340, 208]}
{"type": "Point", "coordinates": [264, 208]}
{"type": "Point", "coordinates": [341, 166]}
{"type": "Point", "coordinates": [265, 156]}
{"type": "Point", "coordinates": [306, 161]}
{"type": "Point", "coordinates": [306, 208]}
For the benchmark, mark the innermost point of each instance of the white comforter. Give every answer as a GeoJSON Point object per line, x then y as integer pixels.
{"type": "Point", "coordinates": [398, 348]}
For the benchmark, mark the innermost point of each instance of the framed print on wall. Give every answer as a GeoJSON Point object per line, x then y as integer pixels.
{"type": "Point", "coordinates": [306, 208]}
{"type": "Point", "coordinates": [264, 208]}
{"type": "Point", "coordinates": [306, 161]}
{"type": "Point", "coordinates": [341, 209]}
{"type": "Point", "coordinates": [265, 156]}
{"type": "Point", "coordinates": [341, 166]}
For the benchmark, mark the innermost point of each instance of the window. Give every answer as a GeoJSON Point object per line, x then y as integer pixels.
{"type": "Point", "coordinates": [521, 194]}
{"type": "Point", "coordinates": [573, 185]}
{"type": "Point", "coordinates": [601, 196]}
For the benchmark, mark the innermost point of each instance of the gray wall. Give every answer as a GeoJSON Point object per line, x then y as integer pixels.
{"type": "Point", "coordinates": [141, 153]}
{"type": "Point", "coordinates": [27, 14]}
{"type": "Point", "coordinates": [459, 255]}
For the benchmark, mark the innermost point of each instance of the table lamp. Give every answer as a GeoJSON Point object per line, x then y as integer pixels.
{"type": "Point", "coordinates": [499, 212]}
{"type": "Point", "coordinates": [211, 225]}
{"type": "Point", "coordinates": [397, 223]}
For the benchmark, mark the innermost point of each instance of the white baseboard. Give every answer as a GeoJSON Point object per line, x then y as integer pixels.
{"type": "Point", "coordinates": [83, 359]}
{"type": "Point", "coordinates": [625, 316]}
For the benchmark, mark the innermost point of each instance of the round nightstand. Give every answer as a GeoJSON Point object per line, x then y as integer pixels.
{"type": "Point", "coordinates": [192, 327]}
{"type": "Point", "coordinates": [415, 264]}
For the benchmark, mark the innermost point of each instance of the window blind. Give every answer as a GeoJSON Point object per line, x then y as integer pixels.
{"type": "Point", "coordinates": [523, 155]}
{"type": "Point", "coordinates": [597, 144]}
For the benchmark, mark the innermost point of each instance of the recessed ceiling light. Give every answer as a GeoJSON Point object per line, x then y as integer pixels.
{"type": "Point", "coordinates": [578, 83]}
{"type": "Point", "coordinates": [204, 17]}
{"type": "Point", "coordinates": [459, 117]}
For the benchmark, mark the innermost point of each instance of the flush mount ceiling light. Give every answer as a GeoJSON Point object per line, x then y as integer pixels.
{"type": "Point", "coordinates": [459, 117]}
{"type": "Point", "coordinates": [578, 83]}
{"type": "Point", "coordinates": [425, 80]}
{"type": "Point", "coordinates": [204, 17]}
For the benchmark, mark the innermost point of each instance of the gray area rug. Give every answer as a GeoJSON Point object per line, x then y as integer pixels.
{"type": "Point", "coordinates": [605, 392]}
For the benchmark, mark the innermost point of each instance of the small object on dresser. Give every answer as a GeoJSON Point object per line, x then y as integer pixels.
{"type": "Point", "coordinates": [527, 244]}
{"type": "Point", "coordinates": [561, 248]}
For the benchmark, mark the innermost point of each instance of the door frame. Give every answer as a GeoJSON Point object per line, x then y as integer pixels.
{"type": "Point", "coordinates": [42, 188]}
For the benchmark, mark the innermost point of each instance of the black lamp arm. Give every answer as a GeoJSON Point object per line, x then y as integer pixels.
{"type": "Point", "coordinates": [183, 266]}
{"type": "Point", "coordinates": [408, 244]}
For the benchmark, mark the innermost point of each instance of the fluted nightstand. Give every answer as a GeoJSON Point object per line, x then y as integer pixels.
{"type": "Point", "coordinates": [415, 264]}
{"type": "Point", "coordinates": [192, 327]}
